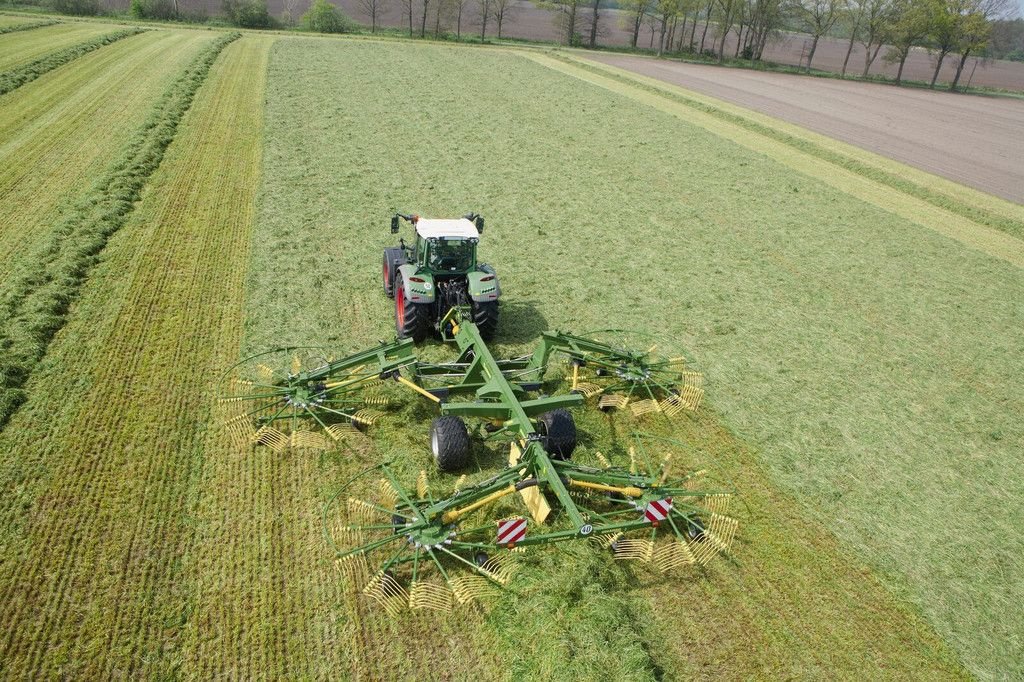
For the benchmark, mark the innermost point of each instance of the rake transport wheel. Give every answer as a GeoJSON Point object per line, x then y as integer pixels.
{"type": "Point", "coordinates": [559, 432]}
{"type": "Point", "coordinates": [287, 399]}
{"type": "Point", "coordinates": [449, 443]}
{"type": "Point", "coordinates": [485, 316]}
{"type": "Point", "coordinates": [412, 320]}
{"type": "Point", "coordinates": [398, 556]}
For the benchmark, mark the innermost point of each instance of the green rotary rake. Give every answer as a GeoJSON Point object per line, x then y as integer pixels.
{"type": "Point", "coordinates": [408, 548]}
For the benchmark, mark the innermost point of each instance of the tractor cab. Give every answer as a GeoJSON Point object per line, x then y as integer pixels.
{"type": "Point", "coordinates": [446, 247]}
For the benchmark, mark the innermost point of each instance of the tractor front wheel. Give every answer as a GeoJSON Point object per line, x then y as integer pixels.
{"type": "Point", "coordinates": [559, 431]}
{"type": "Point", "coordinates": [412, 320]}
{"type": "Point", "coordinates": [485, 317]}
{"type": "Point", "coordinates": [449, 442]}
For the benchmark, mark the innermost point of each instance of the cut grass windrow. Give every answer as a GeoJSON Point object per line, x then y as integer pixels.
{"type": "Point", "coordinates": [36, 306]}
{"type": "Point", "coordinates": [19, 49]}
{"type": "Point", "coordinates": [913, 184]}
{"type": "Point", "coordinates": [63, 131]}
{"type": "Point", "coordinates": [102, 511]}
{"type": "Point", "coordinates": [25, 74]}
{"type": "Point", "coordinates": [11, 27]}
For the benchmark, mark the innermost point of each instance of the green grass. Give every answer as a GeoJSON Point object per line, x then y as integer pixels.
{"type": "Point", "coordinates": [824, 339]}
{"type": "Point", "coordinates": [10, 23]}
{"type": "Point", "coordinates": [860, 371]}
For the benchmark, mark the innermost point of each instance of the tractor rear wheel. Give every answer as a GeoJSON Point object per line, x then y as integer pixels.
{"type": "Point", "coordinates": [485, 317]}
{"type": "Point", "coordinates": [559, 431]}
{"type": "Point", "coordinates": [412, 320]}
{"type": "Point", "coordinates": [393, 257]}
{"type": "Point", "coordinates": [449, 442]}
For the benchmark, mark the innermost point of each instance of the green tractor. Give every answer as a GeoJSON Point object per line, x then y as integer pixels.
{"type": "Point", "coordinates": [438, 272]}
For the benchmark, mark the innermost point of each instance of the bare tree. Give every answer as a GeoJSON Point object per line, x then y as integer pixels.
{"type": "Point", "coordinates": [423, 23]}
{"type": "Point", "coordinates": [407, 10]}
{"type": "Point", "coordinates": [853, 17]}
{"type": "Point", "coordinates": [372, 7]}
{"type": "Point", "coordinates": [458, 7]}
{"type": "Point", "coordinates": [818, 17]}
{"type": "Point", "coordinates": [877, 16]}
{"type": "Point", "coordinates": [442, 12]}
{"type": "Point", "coordinates": [289, 10]}
{"type": "Point", "coordinates": [725, 11]}
{"type": "Point", "coordinates": [595, 18]}
{"type": "Point", "coordinates": [485, 13]}
{"type": "Point", "coordinates": [502, 11]}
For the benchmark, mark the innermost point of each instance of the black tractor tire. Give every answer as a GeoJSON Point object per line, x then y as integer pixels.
{"type": "Point", "coordinates": [559, 431]}
{"type": "Point", "coordinates": [412, 320]}
{"type": "Point", "coordinates": [485, 317]}
{"type": "Point", "coordinates": [393, 257]}
{"type": "Point", "coordinates": [449, 443]}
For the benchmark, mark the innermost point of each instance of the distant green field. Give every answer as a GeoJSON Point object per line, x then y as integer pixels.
{"type": "Point", "coordinates": [858, 327]}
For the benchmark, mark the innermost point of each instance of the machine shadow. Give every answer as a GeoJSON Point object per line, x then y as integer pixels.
{"type": "Point", "coordinates": [521, 322]}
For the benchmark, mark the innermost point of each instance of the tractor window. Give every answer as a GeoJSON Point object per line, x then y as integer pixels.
{"type": "Point", "coordinates": [452, 255]}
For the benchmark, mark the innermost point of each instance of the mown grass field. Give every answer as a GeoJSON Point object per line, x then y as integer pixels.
{"type": "Point", "coordinates": [860, 340]}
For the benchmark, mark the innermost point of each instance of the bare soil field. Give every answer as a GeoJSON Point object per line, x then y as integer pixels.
{"type": "Point", "coordinates": [976, 141]}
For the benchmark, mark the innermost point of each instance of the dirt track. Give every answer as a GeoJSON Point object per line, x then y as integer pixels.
{"type": "Point", "coordinates": [977, 141]}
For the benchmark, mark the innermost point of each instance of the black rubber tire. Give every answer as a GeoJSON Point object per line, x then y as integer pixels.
{"type": "Point", "coordinates": [393, 257]}
{"type": "Point", "coordinates": [449, 443]}
{"type": "Point", "coordinates": [485, 317]}
{"type": "Point", "coordinates": [559, 431]}
{"type": "Point", "coordinates": [412, 320]}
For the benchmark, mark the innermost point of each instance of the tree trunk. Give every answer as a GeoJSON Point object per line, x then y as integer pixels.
{"type": "Point", "coordinates": [721, 45]}
{"type": "Point", "coordinates": [661, 38]}
{"type": "Point", "coordinates": [938, 67]}
{"type": "Point", "coordinates": [849, 51]}
{"type": "Point", "coordinates": [483, 21]}
{"type": "Point", "coordinates": [707, 22]}
{"type": "Point", "coordinates": [637, 20]}
{"type": "Point", "coordinates": [899, 72]}
{"type": "Point", "coordinates": [682, 35]}
{"type": "Point", "coordinates": [423, 23]}
{"type": "Point", "coordinates": [408, 4]}
{"type": "Point", "coordinates": [959, 70]}
{"type": "Point", "coordinates": [593, 24]}
{"type": "Point", "coordinates": [458, 23]}
{"type": "Point", "coordinates": [693, 29]}
{"type": "Point", "coordinates": [572, 23]}
{"type": "Point", "coordinates": [810, 57]}
{"type": "Point", "coordinates": [869, 58]}
{"type": "Point", "coordinates": [739, 41]}
{"type": "Point", "coordinates": [437, 21]}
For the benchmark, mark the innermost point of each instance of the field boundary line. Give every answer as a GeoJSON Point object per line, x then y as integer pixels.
{"type": "Point", "coordinates": [36, 307]}
{"type": "Point", "coordinates": [989, 240]}
{"type": "Point", "coordinates": [15, 78]}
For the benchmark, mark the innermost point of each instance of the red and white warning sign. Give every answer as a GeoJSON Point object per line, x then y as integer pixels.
{"type": "Point", "coordinates": [657, 510]}
{"type": "Point", "coordinates": [511, 531]}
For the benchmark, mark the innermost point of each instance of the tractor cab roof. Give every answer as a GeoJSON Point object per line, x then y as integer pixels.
{"type": "Point", "coordinates": [446, 228]}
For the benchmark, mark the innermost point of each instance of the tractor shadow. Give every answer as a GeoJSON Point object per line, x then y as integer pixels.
{"type": "Point", "coordinates": [521, 322]}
